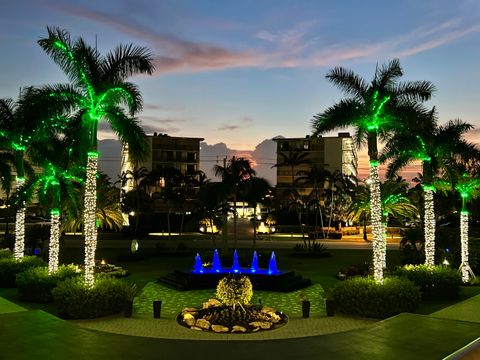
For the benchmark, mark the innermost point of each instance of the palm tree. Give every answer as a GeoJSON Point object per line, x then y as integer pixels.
{"type": "Point", "coordinates": [292, 159]}
{"type": "Point", "coordinates": [136, 198]}
{"type": "Point", "coordinates": [395, 203]}
{"type": "Point", "coordinates": [254, 193]}
{"type": "Point", "coordinates": [108, 214]}
{"type": "Point", "coordinates": [49, 187]}
{"type": "Point", "coordinates": [435, 146]}
{"type": "Point", "coordinates": [373, 109]}
{"type": "Point", "coordinates": [99, 92]}
{"type": "Point", "coordinates": [234, 174]}
{"type": "Point", "coordinates": [7, 164]}
{"type": "Point", "coordinates": [316, 178]}
{"type": "Point", "coordinates": [468, 186]}
{"type": "Point", "coordinates": [212, 205]}
{"type": "Point", "coordinates": [20, 126]}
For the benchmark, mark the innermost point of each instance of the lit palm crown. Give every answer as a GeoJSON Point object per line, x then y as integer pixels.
{"type": "Point", "coordinates": [437, 146]}
{"type": "Point", "coordinates": [377, 108]}
{"type": "Point", "coordinates": [98, 89]}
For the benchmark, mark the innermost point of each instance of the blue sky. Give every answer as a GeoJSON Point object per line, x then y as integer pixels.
{"type": "Point", "coordinates": [239, 72]}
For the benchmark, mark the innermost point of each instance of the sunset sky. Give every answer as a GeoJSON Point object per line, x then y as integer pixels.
{"type": "Point", "coordinates": [240, 72]}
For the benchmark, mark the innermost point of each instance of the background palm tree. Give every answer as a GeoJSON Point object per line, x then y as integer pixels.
{"type": "Point", "coordinates": [98, 91]}
{"type": "Point", "coordinates": [234, 174]}
{"type": "Point", "coordinates": [316, 178]}
{"type": "Point", "coordinates": [468, 187]}
{"type": "Point", "coordinates": [373, 109]}
{"type": "Point", "coordinates": [254, 193]}
{"type": "Point", "coordinates": [20, 126]}
{"type": "Point", "coordinates": [292, 159]}
{"type": "Point", "coordinates": [436, 147]}
{"type": "Point", "coordinates": [395, 203]}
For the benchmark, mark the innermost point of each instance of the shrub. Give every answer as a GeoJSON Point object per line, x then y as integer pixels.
{"type": "Point", "coordinates": [108, 296]}
{"type": "Point", "coordinates": [36, 284]}
{"type": "Point", "coordinates": [436, 282]}
{"type": "Point", "coordinates": [10, 267]}
{"type": "Point", "coordinates": [5, 253]}
{"type": "Point", "coordinates": [234, 291]}
{"type": "Point", "coordinates": [366, 297]}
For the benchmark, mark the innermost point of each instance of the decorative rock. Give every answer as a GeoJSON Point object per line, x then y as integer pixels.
{"type": "Point", "coordinates": [211, 303]}
{"type": "Point", "coordinates": [220, 329]}
{"type": "Point", "coordinates": [189, 310]}
{"type": "Point", "coordinates": [202, 323]}
{"type": "Point", "coordinates": [196, 328]}
{"type": "Point", "coordinates": [268, 310]}
{"type": "Point", "coordinates": [238, 328]}
{"type": "Point", "coordinates": [189, 319]}
{"type": "Point", "coordinates": [261, 324]}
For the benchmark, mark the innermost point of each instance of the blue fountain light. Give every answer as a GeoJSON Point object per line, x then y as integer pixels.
{"type": "Point", "coordinates": [236, 266]}
{"type": "Point", "coordinates": [254, 266]}
{"type": "Point", "coordinates": [216, 265]}
{"type": "Point", "coordinates": [198, 266]}
{"type": "Point", "coordinates": [272, 264]}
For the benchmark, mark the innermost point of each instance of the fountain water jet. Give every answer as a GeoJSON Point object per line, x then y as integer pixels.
{"type": "Point", "coordinates": [198, 266]}
{"type": "Point", "coordinates": [254, 266]}
{"type": "Point", "coordinates": [216, 265]}
{"type": "Point", "coordinates": [272, 264]}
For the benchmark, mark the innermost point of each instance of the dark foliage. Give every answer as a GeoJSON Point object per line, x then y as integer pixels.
{"type": "Point", "coordinates": [365, 297]}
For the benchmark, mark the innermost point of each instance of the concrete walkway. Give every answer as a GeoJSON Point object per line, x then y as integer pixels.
{"type": "Point", "coordinates": [37, 334]}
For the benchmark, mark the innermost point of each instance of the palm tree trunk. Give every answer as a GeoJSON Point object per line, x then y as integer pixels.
{"type": "Point", "coordinates": [464, 266]}
{"type": "Point", "coordinates": [90, 205]}
{"type": "Point", "coordinates": [429, 225]}
{"type": "Point", "coordinates": [54, 245]}
{"type": "Point", "coordinates": [19, 249]}
{"type": "Point", "coordinates": [169, 229]}
{"type": "Point", "coordinates": [254, 226]}
{"type": "Point", "coordinates": [225, 232]}
{"type": "Point", "coordinates": [379, 246]}
{"type": "Point", "coordinates": [212, 234]}
{"type": "Point", "coordinates": [235, 220]}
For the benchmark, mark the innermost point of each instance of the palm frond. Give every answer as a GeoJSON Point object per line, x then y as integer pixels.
{"type": "Point", "coordinates": [125, 61]}
{"type": "Point", "coordinates": [345, 113]}
{"type": "Point", "coordinates": [129, 132]}
{"type": "Point", "coordinates": [349, 82]}
{"type": "Point", "coordinates": [415, 90]}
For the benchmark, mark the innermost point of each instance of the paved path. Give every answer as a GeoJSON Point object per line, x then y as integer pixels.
{"type": "Point", "coordinates": [39, 335]}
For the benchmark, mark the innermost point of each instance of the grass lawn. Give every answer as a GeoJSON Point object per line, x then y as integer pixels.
{"type": "Point", "coordinates": [148, 266]}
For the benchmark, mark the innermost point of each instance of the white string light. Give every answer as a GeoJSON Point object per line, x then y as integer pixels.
{"type": "Point", "coordinates": [54, 241]}
{"type": "Point", "coordinates": [89, 217]}
{"type": "Point", "coordinates": [19, 249]}
{"type": "Point", "coordinates": [429, 226]}
{"type": "Point", "coordinates": [464, 267]}
{"type": "Point", "coordinates": [379, 240]}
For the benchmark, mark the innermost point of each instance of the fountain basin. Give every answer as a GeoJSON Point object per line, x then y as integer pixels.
{"type": "Point", "coordinates": [283, 281]}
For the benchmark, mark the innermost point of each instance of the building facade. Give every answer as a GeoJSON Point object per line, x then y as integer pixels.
{"type": "Point", "coordinates": [331, 153]}
{"type": "Point", "coordinates": [181, 153]}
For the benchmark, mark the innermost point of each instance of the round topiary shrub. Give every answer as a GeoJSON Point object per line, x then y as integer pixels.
{"type": "Point", "coordinates": [366, 297]}
{"type": "Point", "coordinates": [108, 296]}
{"type": "Point", "coordinates": [233, 291]}
{"type": "Point", "coordinates": [36, 284]}
{"type": "Point", "coordinates": [10, 267]}
{"type": "Point", "coordinates": [436, 282]}
{"type": "Point", "coordinates": [6, 253]}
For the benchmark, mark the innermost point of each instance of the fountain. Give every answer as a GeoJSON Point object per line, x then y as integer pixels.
{"type": "Point", "coordinates": [198, 266]}
{"type": "Point", "coordinates": [254, 266]}
{"type": "Point", "coordinates": [201, 277]}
